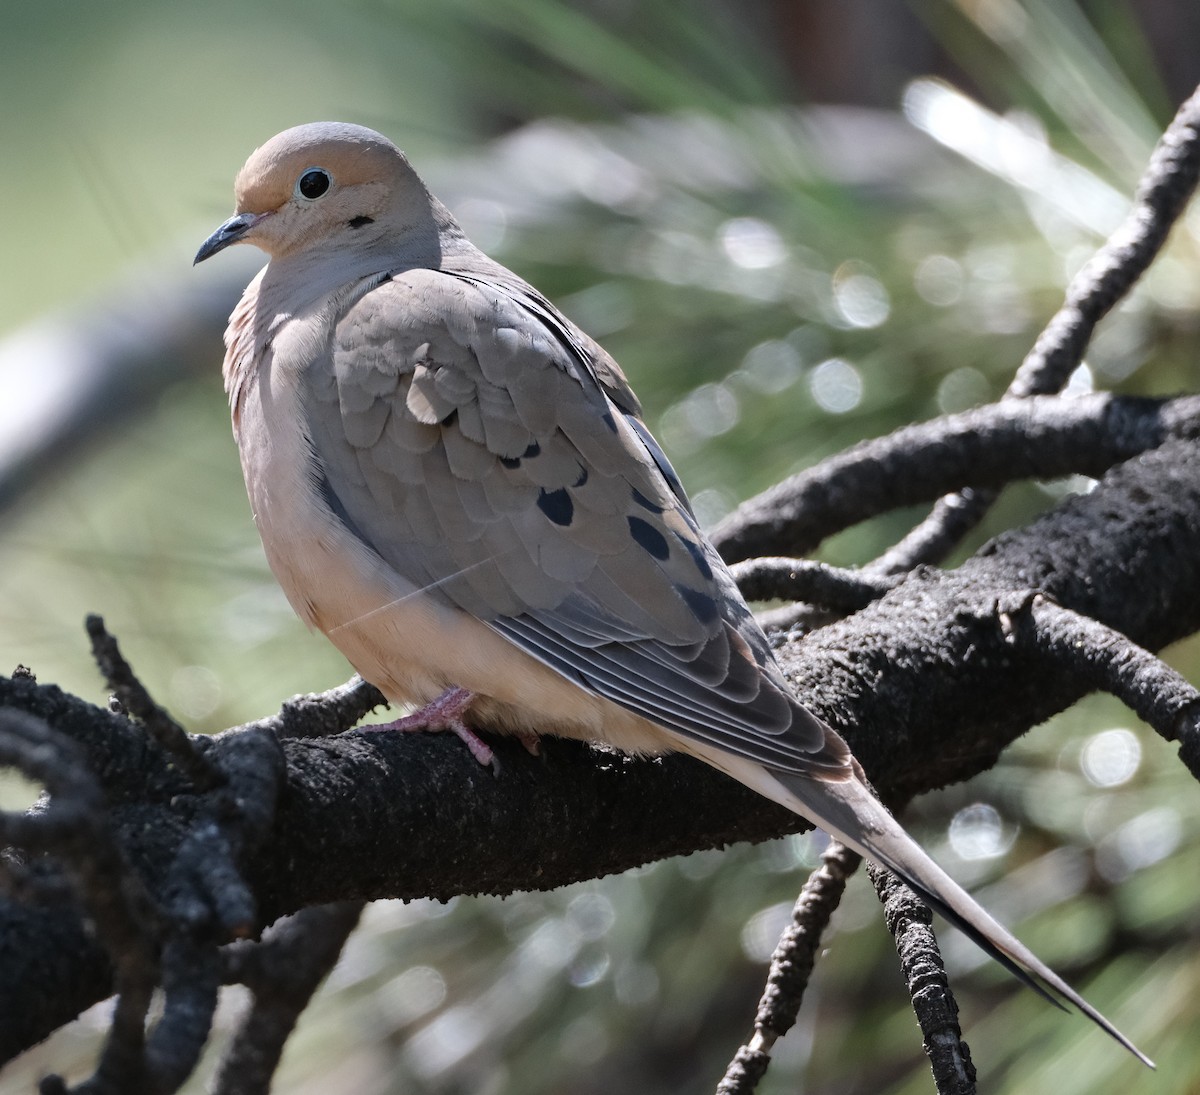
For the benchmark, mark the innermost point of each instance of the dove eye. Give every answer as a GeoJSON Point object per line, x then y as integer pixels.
{"type": "Point", "coordinates": [313, 183]}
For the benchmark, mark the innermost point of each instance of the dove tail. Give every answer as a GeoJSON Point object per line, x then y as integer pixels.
{"type": "Point", "coordinates": [847, 810]}
{"type": "Point", "coordinates": [851, 813]}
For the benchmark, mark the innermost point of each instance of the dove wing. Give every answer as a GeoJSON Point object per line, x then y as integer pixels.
{"type": "Point", "coordinates": [486, 450]}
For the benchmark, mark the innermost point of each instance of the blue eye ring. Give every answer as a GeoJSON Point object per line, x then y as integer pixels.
{"type": "Point", "coordinates": [313, 183]}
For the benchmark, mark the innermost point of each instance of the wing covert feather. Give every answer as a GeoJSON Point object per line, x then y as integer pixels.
{"type": "Point", "coordinates": [469, 434]}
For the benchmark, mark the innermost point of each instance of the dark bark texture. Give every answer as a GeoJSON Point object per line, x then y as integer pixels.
{"type": "Point", "coordinates": [929, 684]}
{"type": "Point", "coordinates": [156, 861]}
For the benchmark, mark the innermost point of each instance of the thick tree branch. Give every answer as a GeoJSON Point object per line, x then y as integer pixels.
{"type": "Point", "coordinates": [1123, 554]}
{"type": "Point", "coordinates": [925, 683]}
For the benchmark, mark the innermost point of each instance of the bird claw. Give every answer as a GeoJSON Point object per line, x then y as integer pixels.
{"type": "Point", "coordinates": [446, 713]}
{"type": "Point", "coordinates": [532, 743]}
{"type": "Point", "coordinates": [480, 749]}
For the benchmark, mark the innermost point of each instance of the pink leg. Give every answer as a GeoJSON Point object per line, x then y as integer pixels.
{"type": "Point", "coordinates": [446, 713]}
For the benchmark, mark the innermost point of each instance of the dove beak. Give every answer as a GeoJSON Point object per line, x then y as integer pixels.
{"type": "Point", "coordinates": [232, 231]}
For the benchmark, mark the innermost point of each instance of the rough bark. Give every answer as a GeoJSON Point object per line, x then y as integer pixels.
{"type": "Point", "coordinates": [929, 684]}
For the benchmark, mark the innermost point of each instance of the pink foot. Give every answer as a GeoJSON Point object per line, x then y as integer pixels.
{"type": "Point", "coordinates": [446, 713]}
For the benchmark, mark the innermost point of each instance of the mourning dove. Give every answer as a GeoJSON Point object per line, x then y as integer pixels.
{"type": "Point", "coordinates": [453, 482]}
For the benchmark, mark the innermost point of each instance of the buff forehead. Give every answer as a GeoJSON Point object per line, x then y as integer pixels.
{"type": "Point", "coordinates": [351, 154]}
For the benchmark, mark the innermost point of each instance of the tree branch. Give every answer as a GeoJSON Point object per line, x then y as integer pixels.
{"type": "Point", "coordinates": [925, 683]}
{"type": "Point", "coordinates": [1085, 648]}
{"type": "Point", "coordinates": [791, 967]}
{"type": "Point", "coordinates": [910, 922]}
{"type": "Point", "coordinates": [1162, 195]}
{"type": "Point", "coordinates": [283, 971]}
{"type": "Point", "coordinates": [803, 580]}
{"type": "Point", "coordinates": [1043, 437]}
{"type": "Point", "coordinates": [133, 697]}
{"type": "Point", "coordinates": [1122, 554]}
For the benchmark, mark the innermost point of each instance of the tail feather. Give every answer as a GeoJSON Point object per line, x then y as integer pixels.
{"type": "Point", "coordinates": [847, 810]}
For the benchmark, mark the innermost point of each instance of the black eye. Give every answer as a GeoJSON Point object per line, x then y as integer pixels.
{"type": "Point", "coordinates": [313, 183]}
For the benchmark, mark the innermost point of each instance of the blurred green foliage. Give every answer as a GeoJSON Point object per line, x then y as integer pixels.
{"type": "Point", "coordinates": [778, 285]}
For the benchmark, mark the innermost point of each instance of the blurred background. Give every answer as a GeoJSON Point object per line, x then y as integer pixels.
{"type": "Point", "coordinates": [796, 223]}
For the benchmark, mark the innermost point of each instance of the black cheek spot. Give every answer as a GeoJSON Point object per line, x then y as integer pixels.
{"type": "Point", "coordinates": [645, 502]}
{"type": "Point", "coordinates": [361, 220]}
{"type": "Point", "coordinates": [704, 606]}
{"type": "Point", "coordinates": [649, 538]}
{"type": "Point", "coordinates": [557, 505]}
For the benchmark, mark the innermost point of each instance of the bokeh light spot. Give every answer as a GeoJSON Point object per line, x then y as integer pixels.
{"type": "Point", "coordinates": [836, 385]}
{"type": "Point", "coordinates": [1111, 758]}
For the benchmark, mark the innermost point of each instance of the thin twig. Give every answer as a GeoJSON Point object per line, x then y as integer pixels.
{"type": "Point", "coordinates": [321, 714]}
{"type": "Point", "coordinates": [1042, 437]}
{"type": "Point", "coordinates": [1159, 695]}
{"type": "Point", "coordinates": [1163, 192]}
{"type": "Point", "coordinates": [191, 982]}
{"type": "Point", "coordinates": [137, 701]}
{"type": "Point", "coordinates": [836, 588]}
{"type": "Point", "coordinates": [909, 920]}
{"type": "Point", "coordinates": [75, 828]}
{"type": "Point", "coordinates": [791, 967]}
{"type": "Point", "coordinates": [283, 971]}
{"type": "Point", "coordinates": [945, 526]}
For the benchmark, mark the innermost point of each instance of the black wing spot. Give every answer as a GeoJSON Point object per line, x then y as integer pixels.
{"type": "Point", "coordinates": [704, 606]}
{"type": "Point", "coordinates": [557, 505]}
{"type": "Point", "coordinates": [514, 462]}
{"type": "Point", "coordinates": [361, 220]}
{"type": "Point", "coordinates": [645, 502]}
{"type": "Point", "coordinates": [583, 478]}
{"type": "Point", "coordinates": [649, 537]}
{"type": "Point", "coordinates": [609, 421]}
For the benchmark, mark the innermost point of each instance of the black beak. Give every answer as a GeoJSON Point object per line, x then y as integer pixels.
{"type": "Point", "coordinates": [231, 231]}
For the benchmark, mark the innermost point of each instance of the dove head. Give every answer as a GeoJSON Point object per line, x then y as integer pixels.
{"type": "Point", "coordinates": [330, 187]}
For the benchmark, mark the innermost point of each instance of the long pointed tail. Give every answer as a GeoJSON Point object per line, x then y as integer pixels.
{"type": "Point", "coordinates": [847, 809]}
{"type": "Point", "coordinates": [855, 816]}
